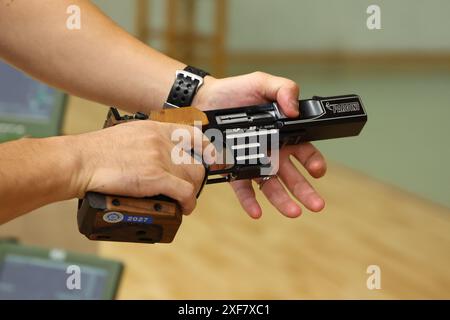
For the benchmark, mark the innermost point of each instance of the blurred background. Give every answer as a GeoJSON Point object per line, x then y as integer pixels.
{"type": "Point", "coordinates": [387, 191]}
{"type": "Point", "coordinates": [401, 71]}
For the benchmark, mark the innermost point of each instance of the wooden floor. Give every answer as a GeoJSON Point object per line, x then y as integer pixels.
{"type": "Point", "coordinates": [221, 253]}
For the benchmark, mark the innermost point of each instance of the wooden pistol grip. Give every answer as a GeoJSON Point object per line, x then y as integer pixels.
{"type": "Point", "coordinates": [117, 218]}
{"type": "Point", "coordinates": [186, 115]}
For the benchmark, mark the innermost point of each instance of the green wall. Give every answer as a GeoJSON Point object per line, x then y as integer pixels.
{"type": "Point", "coordinates": [315, 24]}
{"type": "Point", "coordinates": [339, 25]}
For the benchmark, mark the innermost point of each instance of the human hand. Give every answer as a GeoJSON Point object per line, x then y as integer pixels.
{"type": "Point", "coordinates": [134, 159]}
{"type": "Point", "coordinates": [257, 88]}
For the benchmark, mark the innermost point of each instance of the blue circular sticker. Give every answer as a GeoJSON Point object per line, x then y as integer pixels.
{"type": "Point", "coordinates": [113, 217]}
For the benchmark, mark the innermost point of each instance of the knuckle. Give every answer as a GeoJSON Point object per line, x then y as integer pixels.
{"type": "Point", "coordinates": [150, 126]}
{"type": "Point", "coordinates": [259, 74]}
{"type": "Point", "coordinates": [289, 84]}
{"type": "Point", "coordinates": [153, 153]}
{"type": "Point", "coordinates": [150, 123]}
{"type": "Point", "coordinates": [294, 86]}
{"type": "Point", "coordinates": [157, 140]}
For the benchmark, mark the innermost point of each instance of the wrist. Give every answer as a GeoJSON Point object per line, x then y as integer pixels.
{"type": "Point", "coordinates": [202, 97]}
{"type": "Point", "coordinates": [73, 160]}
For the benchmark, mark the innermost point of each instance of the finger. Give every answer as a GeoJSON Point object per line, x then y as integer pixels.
{"type": "Point", "coordinates": [300, 187]}
{"type": "Point", "coordinates": [184, 168]}
{"type": "Point", "coordinates": [196, 173]}
{"type": "Point", "coordinates": [279, 198]}
{"type": "Point", "coordinates": [282, 90]}
{"type": "Point", "coordinates": [181, 161]}
{"type": "Point", "coordinates": [309, 156]}
{"type": "Point", "coordinates": [246, 195]}
{"type": "Point", "coordinates": [180, 190]}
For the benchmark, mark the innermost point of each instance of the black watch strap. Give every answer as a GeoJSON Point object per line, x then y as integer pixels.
{"type": "Point", "coordinates": [186, 84]}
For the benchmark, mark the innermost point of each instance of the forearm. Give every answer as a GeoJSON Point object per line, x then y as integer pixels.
{"type": "Point", "coordinates": [99, 62]}
{"type": "Point", "coordinates": [36, 172]}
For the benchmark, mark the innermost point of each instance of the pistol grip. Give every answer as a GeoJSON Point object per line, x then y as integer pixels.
{"type": "Point", "coordinates": [117, 218]}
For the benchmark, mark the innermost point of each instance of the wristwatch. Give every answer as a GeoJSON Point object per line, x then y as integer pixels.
{"type": "Point", "coordinates": [187, 82]}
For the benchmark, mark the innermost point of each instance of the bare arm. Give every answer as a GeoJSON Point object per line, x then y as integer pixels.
{"type": "Point", "coordinates": [118, 160]}
{"type": "Point", "coordinates": [35, 172]}
{"type": "Point", "coordinates": [100, 62]}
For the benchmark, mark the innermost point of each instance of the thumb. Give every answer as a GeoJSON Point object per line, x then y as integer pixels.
{"type": "Point", "coordinates": [284, 91]}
